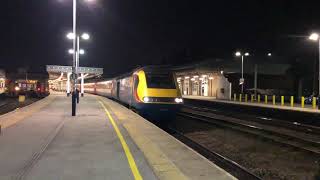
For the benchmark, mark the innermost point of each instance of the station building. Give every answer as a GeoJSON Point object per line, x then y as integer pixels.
{"type": "Point", "coordinates": [219, 78]}
{"type": "Point", "coordinates": [2, 81]}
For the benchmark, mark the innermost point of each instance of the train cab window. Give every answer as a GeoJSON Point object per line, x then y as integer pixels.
{"type": "Point", "coordinates": [161, 81]}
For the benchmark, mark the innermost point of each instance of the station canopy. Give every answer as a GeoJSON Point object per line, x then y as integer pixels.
{"type": "Point", "coordinates": [60, 72]}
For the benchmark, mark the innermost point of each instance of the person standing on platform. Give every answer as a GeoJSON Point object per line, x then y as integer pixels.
{"type": "Point", "coordinates": [77, 95]}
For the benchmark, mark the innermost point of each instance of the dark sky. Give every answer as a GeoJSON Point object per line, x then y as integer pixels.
{"type": "Point", "coordinates": [126, 34]}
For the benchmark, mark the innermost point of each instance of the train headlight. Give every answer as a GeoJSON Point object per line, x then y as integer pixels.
{"type": "Point", "coordinates": [146, 99]}
{"type": "Point", "coordinates": [178, 100]}
{"type": "Point", "coordinates": [17, 88]}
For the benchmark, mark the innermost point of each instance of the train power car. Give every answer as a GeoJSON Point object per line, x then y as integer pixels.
{"type": "Point", "coordinates": [150, 90]}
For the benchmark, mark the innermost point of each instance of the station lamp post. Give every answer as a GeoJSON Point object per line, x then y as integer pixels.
{"type": "Point", "coordinates": [315, 37]}
{"type": "Point", "coordinates": [238, 54]}
{"type": "Point", "coordinates": [74, 68]}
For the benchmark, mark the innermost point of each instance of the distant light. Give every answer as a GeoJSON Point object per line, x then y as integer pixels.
{"type": "Point", "coordinates": [195, 76]}
{"type": "Point", "coordinates": [192, 79]}
{"type": "Point", "coordinates": [70, 51]}
{"type": "Point", "coordinates": [70, 36]}
{"type": "Point", "coordinates": [269, 54]}
{"type": "Point", "coordinates": [85, 36]}
{"type": "Point", "coordinates": [210, 78]}
{"type": "Point", "coordinates": [238, 53]}
{"type": "Point", "coordinates": [17, 88]}
{"type": "Point", "coordinates": [204, 76]}
{"type": "Point", "coordinates": [186, 77]}
{"type": "Point", "coordinates": [246, 54]}
{"type": "Point", "coordinates": [221, 72]}
{"type": "Point", "coordinates": [201, 79]}
{"type": "Point", "coordinates": [314, 37]}
{"type": "Point", "coordinates": [81, 51]}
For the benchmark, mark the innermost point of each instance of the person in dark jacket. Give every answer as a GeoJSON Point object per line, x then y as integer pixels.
{"type": "Point", "coordinates": [77, 95]}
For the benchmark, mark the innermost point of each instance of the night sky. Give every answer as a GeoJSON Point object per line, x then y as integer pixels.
{"type": "Point", "coordinates": [126, 34]}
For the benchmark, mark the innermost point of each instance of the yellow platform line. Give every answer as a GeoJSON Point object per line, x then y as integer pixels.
{"type": "Point", "coordinates": [132, 163]}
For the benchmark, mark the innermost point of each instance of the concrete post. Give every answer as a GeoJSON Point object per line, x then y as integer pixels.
{"type": "Point", "coordinates": [266, 99]}
{"type": "Point", "coordinates": [68, 84]}
{"type": "Point", "coordinates": [274, 100]}
{"type": "Point", "coordinates": [82, 84]}
{"type": "Point", "coordinates": [255, 79]}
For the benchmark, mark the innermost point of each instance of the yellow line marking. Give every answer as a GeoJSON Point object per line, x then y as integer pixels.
{"type": "Point", "coordinates": [132, 164]}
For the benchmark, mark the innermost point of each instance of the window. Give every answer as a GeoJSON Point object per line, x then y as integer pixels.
{"type": "Point", "coordinates": [162, 81]}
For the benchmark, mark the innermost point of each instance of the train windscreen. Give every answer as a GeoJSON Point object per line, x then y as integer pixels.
{"type": "Point", "coordinates": [160, 80]}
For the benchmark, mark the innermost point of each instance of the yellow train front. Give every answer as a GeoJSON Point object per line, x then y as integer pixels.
{"type": "Point", "coordinates": [151, 90]}
{"type": "Point", "coordinates": [155, 92]}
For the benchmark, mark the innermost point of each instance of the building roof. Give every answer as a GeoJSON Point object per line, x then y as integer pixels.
{"type": "Point", "coordinates": [234, 66]}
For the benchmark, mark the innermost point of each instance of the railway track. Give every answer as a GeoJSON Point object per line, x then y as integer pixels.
{"type": "Point", "coordinates": [274, 134]}
{"type": "Point", "coordinates": [227, 164]}
{"type": "Point", "coordinates": [287, 139]}
{"type": "Point", "coordinates": [261, 119]}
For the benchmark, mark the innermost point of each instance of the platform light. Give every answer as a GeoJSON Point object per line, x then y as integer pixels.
{"type": "Point", "coordinates": [246, 54]}
{"type": "Point", "coordinates": [70, 36]}
{"type": "Point", "coordinates": [211, 78]}
{"type": "Point", "coordinates": [81, 51]}
{"type": "Point", "coordinates": [196, 76]}
{"type": "Point", "coordinates": [314, 37]}
{"type": "Point", "coordinates": [238, 53]}
{"type": "Point", "coordinates": [70, 51]}
{"type": "Point", "coordinates": [186, 77]}
{"type": "Point", "coordinates": [17, 88]}
{"type": "Point", "coordinates": [85, 36]}
{"type": "Point", "coordinates": [200, 79]}
{"type": "Point", "coordinates": [204, 75]}
{"type": "Point", "coordinates": [192, 79]}
{"type": "Point", "coordinates": [221, 72]}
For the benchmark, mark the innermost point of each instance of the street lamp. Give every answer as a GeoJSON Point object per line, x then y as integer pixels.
{"type": "Point", "coordinates": [81, 51]}
{"type": "Point", "coordinates": [74, 64]}
{"type": "Point", "coordinates": [238, 54]}
{"type": "Point", "coordinates": [269, 54]}
{"type": "Point", "coordinates": [315, 37]}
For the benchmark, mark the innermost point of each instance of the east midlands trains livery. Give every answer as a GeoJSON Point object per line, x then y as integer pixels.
{"type": "Point", "coordinates": [149, 90]}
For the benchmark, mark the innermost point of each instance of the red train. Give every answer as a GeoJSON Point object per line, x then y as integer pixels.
{"type": "Point", "coordinates": [35, 85]}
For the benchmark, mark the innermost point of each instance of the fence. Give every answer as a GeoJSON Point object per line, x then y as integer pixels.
{"type": "Point", "coordinates": [274, 100]}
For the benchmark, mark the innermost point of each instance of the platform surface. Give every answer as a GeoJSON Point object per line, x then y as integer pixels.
{"type": "Point", "coordinates": [297, 107]}
{"type": "Point", "coordinates": [104, 141]}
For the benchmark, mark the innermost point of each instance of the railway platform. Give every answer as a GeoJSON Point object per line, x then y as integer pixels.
{"type": "Point", "coordinates": [104, 141]}
{"type": "Point", "coordinates": [269, 105]}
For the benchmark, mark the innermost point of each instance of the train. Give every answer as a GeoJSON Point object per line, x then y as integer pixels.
{"type": "Point", "coordinates": [35, 85]}
{"type": "Point", "coordinates": [149, 90]}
